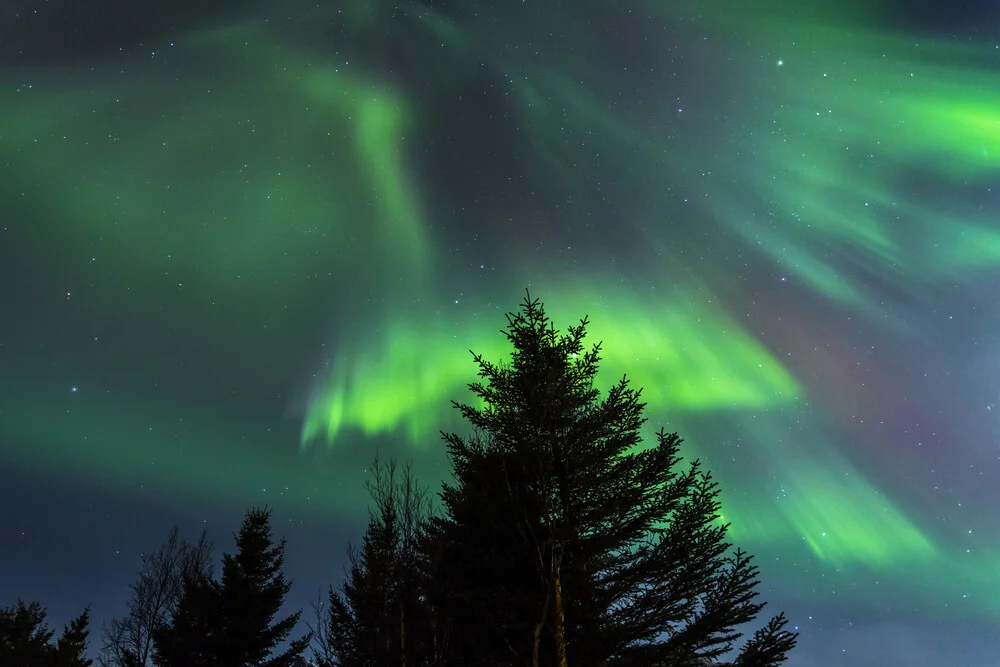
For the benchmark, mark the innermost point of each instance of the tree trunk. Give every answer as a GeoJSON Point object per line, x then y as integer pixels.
{"type": "Point", "coordinates": [560, 617]}
{"type": "Point", "coordinates": [402, 635]}
{"type": "Point", "coordinates": [538, 629]}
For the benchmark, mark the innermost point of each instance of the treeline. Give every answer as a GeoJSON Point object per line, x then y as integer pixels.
{"type": "Point", "coordinates": [561, 540]}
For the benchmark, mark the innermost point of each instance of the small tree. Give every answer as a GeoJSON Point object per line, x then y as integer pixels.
{"type": "Point", "coordinates": [564, 542]}
{"type": "Point", "coordinates": [378, 616]}
{"type": "Point", "coordinates": [24, 634]}
{"type": "Point", "coordinates": [231, 622]}
{"type": "Point", "coordinates": [25, 638]}
{"type": "Point", "coordinates": [71, 647]}
{"type": "Point", "coordinates": [128, 641]}
{"type": "Point", "coordinates": [192, 636]}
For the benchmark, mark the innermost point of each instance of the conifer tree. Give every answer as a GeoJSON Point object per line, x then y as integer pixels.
{"type": "Point", "coordinates": [251, 593]}
{"type": "Point", "coordinates": [24, 634]}
{"type": "Point", "coordinates": [25, 638]}
{"type": "Point", "coordinates": [231, 622]}
{"type": "Point", "coordinates": [564, 542]}
{"type": "Point", "coordinates": [71, 647]}
{"type": "Point", "coordinates": [378, 616]}
{"type": "Point", "coordinates": [191, 637]}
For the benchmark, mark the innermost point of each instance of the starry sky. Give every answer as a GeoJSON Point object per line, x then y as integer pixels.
{"type": "Point", "coordinates": [244, 246]}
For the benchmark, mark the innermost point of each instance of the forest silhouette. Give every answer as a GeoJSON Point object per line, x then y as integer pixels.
{"type": "Point", "coordinates": [561, 539]}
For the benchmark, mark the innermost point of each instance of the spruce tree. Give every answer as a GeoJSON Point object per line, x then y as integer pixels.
{"type": "Point", "coordinates": [252, 590]}
{"type": "Point", "coordinates": [24, 634]}
{"type": "Point", "coordinates": [71, 648]}
{"type": "Point", "coordinates": [378, 616]}
{"type": "Point", "coordinates": [564, 541]}
{"type": "Point", "coordinates": [192, 635]}
{"type": "Point", "coordinates": [25, 638]}
{"type": "Point", "coordinates": [231, 622]}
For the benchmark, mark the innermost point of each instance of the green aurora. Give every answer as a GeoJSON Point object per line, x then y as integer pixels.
{"type": "Point", "coordinates": [240, 169]}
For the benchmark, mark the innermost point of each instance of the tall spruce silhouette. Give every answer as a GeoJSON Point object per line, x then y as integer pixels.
{"type": "Point", "coordinates": [231, 622]}
{"type": "Point", "coordinates": [565, 541]}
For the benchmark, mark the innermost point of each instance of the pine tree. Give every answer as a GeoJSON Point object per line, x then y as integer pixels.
{"type": "Point", "coordinates": [191, 637]}
{"type": "Point", "coordinates": [230, 623]}
{"type": "Point", "coordinates": [378, 617]}
{"type": "Point", "coordinates": [564, 542]}
{"type": "Point", "coordinates": [252, 590]}
{"type": "Point", "coordinates": [24, 634]}
{"type": "Point", "coordinates": [25, 638]}
{"type": "Point", "coordinates": [71, 648]}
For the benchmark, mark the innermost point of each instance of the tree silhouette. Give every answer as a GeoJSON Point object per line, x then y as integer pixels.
{"type": "Point", "coordinates": [192, 636]}
{"type": "Point", "coordinates": [231, 622]}
{"type": "Point", "coordinates": [71, 647]}
{"type": "Point", "coordinates": [564, 541]}
{"type": "Point", "coordinates": [378, 617]}
{"type": "Point", "coordinates": [253, 589]}
{"type": "Point", "coordinates": [25, 638]}
{"type": "Point", "coordinates": [128, 641]}
{"type": "Point", "coordinates": [24, 634]}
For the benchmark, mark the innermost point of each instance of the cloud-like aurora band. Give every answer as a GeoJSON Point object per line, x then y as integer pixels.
{"type": "Point", "coordinates": [262, 210]}
{"type": "Point", "coordinates": [688, 356]}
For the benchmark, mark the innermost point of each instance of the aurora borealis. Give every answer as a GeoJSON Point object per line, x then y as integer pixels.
{"type": "Point", "coordinates": [244, 246]}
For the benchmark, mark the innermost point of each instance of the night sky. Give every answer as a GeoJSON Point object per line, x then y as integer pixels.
{"type": "Point", "coordinates": [244, 246]}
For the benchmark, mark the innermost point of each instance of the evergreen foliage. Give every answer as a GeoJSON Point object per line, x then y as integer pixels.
{"type": "Point", "coordinates": [231, 622]}
{"type": "Point", "coordinates": [71, 647]}
{"type": "Point", "coordinates": [26, 640]}
{"type": "Point", "coordinates": [193, 634]}
{"type": "Point", "coordinates": [379, 616]}
{"type": "Point", "coordinates": [564, 541]}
